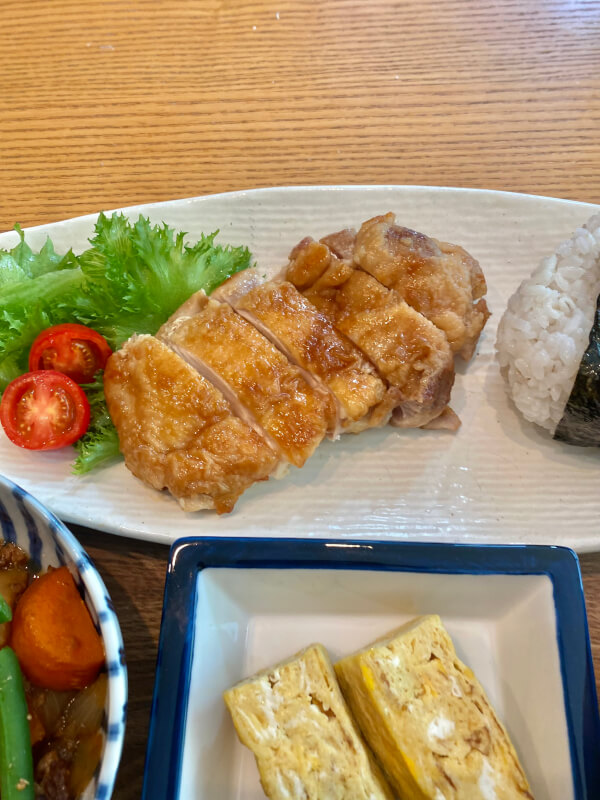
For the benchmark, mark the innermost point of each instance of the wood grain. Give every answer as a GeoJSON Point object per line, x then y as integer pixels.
{"type": "Point", "coordinates": [112, 103]}
{"type": "Point", "coordinates": [134, 573]}
{"type": "Point", "coordinates": [590, 568]}
{"type": "Point", "coordinates": [117, 102]}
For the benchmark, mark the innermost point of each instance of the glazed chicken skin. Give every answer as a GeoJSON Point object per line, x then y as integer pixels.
{"type": "Point", "coordinates": [440, 280]}
{"type": "Point", "coordinates": [309, 340]}
{"type": "Point", "coordinates": [358, 330]}
{"type": "Point", "coordinates": [409, 351]}
{"type": "Point", "coordinates": [267, 391]}
{"type": "Point", "coordinates": [176, 431]}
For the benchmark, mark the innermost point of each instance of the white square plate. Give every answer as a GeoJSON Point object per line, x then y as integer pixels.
{"type": "Point", "coordinates": [233, 606]}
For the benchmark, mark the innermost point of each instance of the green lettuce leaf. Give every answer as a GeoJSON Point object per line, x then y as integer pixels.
{"type": "Point", "coordinates": [100, 443]}
{"type": "Point", "coordinates": [28, 307]}
{"type": "Point", "coordinates": [22, 262]}
{"type": "Point", "coordinates": [130, 280]}
{"type": "Point", "coordinates": [34, 293]}
{"type": "Point", "coordinates": [138, 274]}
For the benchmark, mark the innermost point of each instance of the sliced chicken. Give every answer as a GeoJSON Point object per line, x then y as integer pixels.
{"type": "Point", "coordinates": [409, 351]}
{"type": "Point", "coordinates": [308, 339]}
{"type": "Point", "coordinates": [237, 286]}
{"type": "Point", "coordinates": [341, 243]}
{"type": "Point", "coordinates": [232, 292]}
{"type": "Point", "coordinates": [176, 431]}
{"type": "Point", "coordinates": [360, 329]}
{"type": "Point", "coordinates": [263, 387]}
{"type": "Point", "coordinates": [309, 261]}
{"type": "Point", "coordinates": [440, 280]}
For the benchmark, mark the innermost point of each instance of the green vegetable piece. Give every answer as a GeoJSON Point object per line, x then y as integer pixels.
{"type": "Point", "coordinates": [16, 760]}
{"type": "Point", "coordinates": [5, 611]}
{"type": "Point", "coordinates": [138, 274]}
{"type": "Point", "coordinates": [28, 307]}
{"type": "Point", "coordinates": [23, 263]}
{"type": "Point", "coordinates": [100, 443]}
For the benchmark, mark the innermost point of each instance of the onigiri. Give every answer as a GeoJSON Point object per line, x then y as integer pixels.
{"type": "Point", "coordinates": [549, 340]}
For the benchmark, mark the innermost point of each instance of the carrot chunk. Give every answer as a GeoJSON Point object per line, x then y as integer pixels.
{"type": "Point", "coordinates": [53, 634]}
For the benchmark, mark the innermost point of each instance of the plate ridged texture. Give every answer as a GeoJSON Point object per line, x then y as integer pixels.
{"type": "Point", "coordinates": [498, 479]}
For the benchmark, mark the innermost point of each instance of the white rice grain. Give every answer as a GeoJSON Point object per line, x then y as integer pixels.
{"type": "Point", "coordinates": [545, 329]}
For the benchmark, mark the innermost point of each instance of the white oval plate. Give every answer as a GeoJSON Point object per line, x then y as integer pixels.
{"type": "Point", "coordinates": [499, 479]}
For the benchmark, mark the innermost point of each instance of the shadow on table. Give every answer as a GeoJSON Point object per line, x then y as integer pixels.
{"type": "Point", "coordinates": [134, 574]}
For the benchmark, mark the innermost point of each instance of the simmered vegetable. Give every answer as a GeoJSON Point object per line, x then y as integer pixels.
{"type": "Point", "coordinates": [13, 581]}
{"type": "Point", "coordinates": [54, 636]}
{"type": "Point", "coordinates": [81, 723]}
{"type": "Point", "coordinates": [50, 740]}
{"type": "Point", "coordinates": [16, 760]}
{"type": "Point", "coordinates": [5, 612]}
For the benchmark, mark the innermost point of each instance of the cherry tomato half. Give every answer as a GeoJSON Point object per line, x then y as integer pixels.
{"type": "Point", "coordinates": [77, 351]}
{"type": "Point", "coordinates": [44, 410]}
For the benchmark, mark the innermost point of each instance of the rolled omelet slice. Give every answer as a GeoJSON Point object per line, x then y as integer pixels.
{"type": "Point", "coordinates": [307, 746]}
{"type": "Point", "coordinates": [428, 720]}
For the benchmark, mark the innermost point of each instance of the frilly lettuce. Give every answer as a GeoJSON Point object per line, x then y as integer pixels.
{"type": "Point", "coordinates": [100, 443]}
{"type": "Point", "coordinates": [131, 279]}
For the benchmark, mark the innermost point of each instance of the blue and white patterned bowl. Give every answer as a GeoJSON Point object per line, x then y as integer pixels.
{"type": "Point", "coordinates": [26, 522]}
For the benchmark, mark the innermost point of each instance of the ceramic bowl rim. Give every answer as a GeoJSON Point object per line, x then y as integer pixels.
{"type": "Point", "coordinates": [79, 560]}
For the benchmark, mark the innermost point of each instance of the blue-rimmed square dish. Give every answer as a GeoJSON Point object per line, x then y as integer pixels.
{"type": "Point", "coordinates": [234, 606]}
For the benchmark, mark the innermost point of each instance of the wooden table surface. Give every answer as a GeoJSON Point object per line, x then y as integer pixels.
{"type": "Point", "coordinates": [117, 102]}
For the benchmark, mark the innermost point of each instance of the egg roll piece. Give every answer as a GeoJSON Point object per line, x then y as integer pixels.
{"type": "Point", "coordinates": [307, 746]}
{"type": "Point", "coordinates": [428, 720]}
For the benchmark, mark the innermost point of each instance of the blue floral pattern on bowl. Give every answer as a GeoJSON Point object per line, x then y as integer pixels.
{"type": "Point", "coordinates": [26, 522]}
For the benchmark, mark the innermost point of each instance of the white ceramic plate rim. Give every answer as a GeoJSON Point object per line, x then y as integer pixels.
{"type": "Point", "coordinates": [73, 511]}
{"type": "Point", "coordinates": [144, 208]}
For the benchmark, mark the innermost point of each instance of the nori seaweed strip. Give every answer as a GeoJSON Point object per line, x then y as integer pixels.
{"type": "Point", "coordinates": [580, 422]}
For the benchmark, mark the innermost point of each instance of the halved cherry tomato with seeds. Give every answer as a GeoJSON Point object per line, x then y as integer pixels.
{"type": "Point", "coordinates": [74, 349]}
{"type": "Point", "coordinates": [44, 410]}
